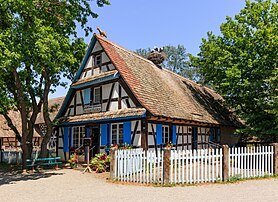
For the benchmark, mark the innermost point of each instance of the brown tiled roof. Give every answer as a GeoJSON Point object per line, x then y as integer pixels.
{"type": "Point", "coordinates": [54, 106]}
{"type": "Point", "coordinates": [5, 130]}
{"type": "Point", "coordinates": [164, 93]}
{"type": "Point", "coordinates": [106, 115]}
{"type": "Point", "coordinates": [93, 77]}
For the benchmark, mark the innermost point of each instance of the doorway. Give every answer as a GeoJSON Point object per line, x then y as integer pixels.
{"type": "Point", "coordinates": [95, 138]}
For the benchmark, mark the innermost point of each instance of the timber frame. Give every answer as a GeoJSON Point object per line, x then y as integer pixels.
{"type": "Point", "coordinates": [140, 104]}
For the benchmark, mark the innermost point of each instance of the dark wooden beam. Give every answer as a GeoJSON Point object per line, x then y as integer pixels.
{"type": "Point", "coordinates": [120, 97]}
{"type": "Point", "coordinates": [74, 109]}
{"type": "Point", "coordinates": [154, 139]}
{"type": "Point", "coordinates": [129, 93]}
{"type": "Point", "coordinates": [134, 132]}
{"type": "Point", "coordinates": [144, 134]}
{"type": "Point", "coordinates": [110, 96]}
{"type": "Point", "coordinates": [81, 97]}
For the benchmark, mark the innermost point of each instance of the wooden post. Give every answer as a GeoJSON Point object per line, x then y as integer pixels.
{"type": "Point", "coordinates": [275, 156]}
{"type": "Point", "coordinates": [144, 135]}
{"type": "Point", "coordinates": [225, 163]}
{"type": "Point", "coordinates": [166, 165]}
{"type": "Point", "coordinates": [112, 163]}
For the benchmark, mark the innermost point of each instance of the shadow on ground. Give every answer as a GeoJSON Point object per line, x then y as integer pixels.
{"type": "Point", "coordinates": [12, 174]}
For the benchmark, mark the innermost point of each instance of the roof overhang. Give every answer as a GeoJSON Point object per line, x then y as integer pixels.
{"type": "Point", "coordinates": [110, 116]}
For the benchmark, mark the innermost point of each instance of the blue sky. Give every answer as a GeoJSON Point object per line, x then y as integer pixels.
{"type": "Point", "coordinates": [149, 23]}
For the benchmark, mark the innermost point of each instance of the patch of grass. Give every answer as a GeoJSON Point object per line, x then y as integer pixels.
{"type": "Point", "coordinates": [237, 178]}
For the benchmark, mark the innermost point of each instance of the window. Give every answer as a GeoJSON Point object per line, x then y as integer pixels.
{"type": "Point", "coordinates": [96, 96]}
{"type": "Point", "coordinates": [117, 133]}
{"type": "Point", "coordinates": [165, 134]}
{"type": "Point", "coordinates": [97, 60]}
{"type": "Point", "coordinates": [78, 135]}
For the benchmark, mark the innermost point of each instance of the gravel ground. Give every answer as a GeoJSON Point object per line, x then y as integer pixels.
{"type": "Point", "coordinates": [72, 185]}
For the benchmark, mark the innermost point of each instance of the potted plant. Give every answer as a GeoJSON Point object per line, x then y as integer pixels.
{"type": "Point", "coordinates": [168, 145]}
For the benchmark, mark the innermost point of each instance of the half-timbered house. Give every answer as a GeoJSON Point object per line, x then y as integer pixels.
{"type": "Point", "coordinates": [8, 140]}
{"type": "Point", "coordinates": [120, 97]}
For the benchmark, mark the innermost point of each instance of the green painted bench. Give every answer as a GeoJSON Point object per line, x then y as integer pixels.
{"type": "Point", "coordinates": [50, 161]}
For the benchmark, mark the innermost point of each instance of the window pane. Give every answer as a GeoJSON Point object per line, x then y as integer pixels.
{"type": "Point", "coordinates": [114, 134]}
{"type": "Point", "coordinates": [96, 95]}
{"type": "Point", "coordinates": [97, 60]}
{"type": "Point", "coordinates": [121, 133]}
{"type": "Point", "coordinates": [165, 134]}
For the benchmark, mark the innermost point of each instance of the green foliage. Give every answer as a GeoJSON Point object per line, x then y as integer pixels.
{"type": "Point", "coordinates": [177, 61]}
{"type": "Point", "coordinates": [242, 65]}
{"type": "Point", "coordinates": [38, 45]}
{"type": "Point", "coordinates": [100, 163]}
{"type": "Point", "coordinates": [73, 161]}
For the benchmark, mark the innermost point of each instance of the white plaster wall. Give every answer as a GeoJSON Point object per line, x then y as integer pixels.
{"type": "Point", "coordinates": [97, 47]}
{"type": "Point", "coordinates": [96, 71]}
{"type": "Point", "coordinates": [113, 106]}
{"type": "Point", "coordinates": [106, 90]}
{"type": "Point", "coordinates": [132, 105]}
{"type": "Point", "coordinates": [111, 67]}
{"type": "Point", "coordinates": [103, 68]}
{"type": "Point", "coordinates": [104, 58]}
{"type": "Point", "coordinates": [79, 110]}
{"type": "Point", "coordinates": [137, 138]}
{"type": "Point", "coordinates": [103, 107]}
{"type": "Point", "coordinates": [115, 93]}
{"type": "Point", "coordinates": [124, 106]}
{"type": "Point", "coordinates": [123, 93]}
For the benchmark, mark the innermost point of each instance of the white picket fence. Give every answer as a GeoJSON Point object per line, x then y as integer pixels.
{"type": "Point", "coordinates": [192, 166]}
{"type": "Point", "coordinates": [196, 166]}
{"type": "Point", "coordinates": [136, 165]}
{"type": "Point", "coordinates": [246, 162]}
{"type": "Point", "coordinates": [14, 157]}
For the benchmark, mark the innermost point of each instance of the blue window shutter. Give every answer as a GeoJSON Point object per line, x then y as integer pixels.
{"type": "Point", "coordinates": [66, 139]}
{"type": "Point", "coordinates": [87, 96]}
{"type": "Point", "coordinates": [127, 132]}
{"type": "Point", "coordinates": [174, 134]}
{"type": "Point", "coordinates": [159, 133]}
{"type": "Point", "coordinates": [104, 134]}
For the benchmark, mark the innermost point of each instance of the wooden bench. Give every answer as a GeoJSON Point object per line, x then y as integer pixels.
{"type": "Point", "coordinates": [50, 161]}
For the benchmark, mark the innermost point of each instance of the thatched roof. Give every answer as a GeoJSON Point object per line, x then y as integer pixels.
{"type": "Point", "coordinates": [54, 106]}
{"type": "Point", "coordinates": [5, 130]}
{"type": "Point", "coordinates": [130, 112]}
{"type": "Point", "coordinates": [165, 93]}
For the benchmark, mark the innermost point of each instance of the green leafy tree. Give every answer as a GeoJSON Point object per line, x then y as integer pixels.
{"type": "Point", "coordinates": [38, 45]}
{"type": "Point", "coordinates": [177, 61]}
{"type": "Point", "coordinates": [241, 64]}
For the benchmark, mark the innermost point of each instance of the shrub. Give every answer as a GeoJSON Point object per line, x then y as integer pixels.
{"type": "Point", "coordinates": [73, 161]}
{"type": "Point", "coordinates": [100, 163]}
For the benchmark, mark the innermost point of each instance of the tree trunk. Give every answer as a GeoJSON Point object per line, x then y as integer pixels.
{"type": "Point", "coordinates": [47, 121]}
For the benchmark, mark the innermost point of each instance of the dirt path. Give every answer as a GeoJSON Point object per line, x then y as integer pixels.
{"type": "Point", "coordinates": [70, 185]}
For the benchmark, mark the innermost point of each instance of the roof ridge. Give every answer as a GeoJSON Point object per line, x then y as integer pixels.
{"type": "Point", "coordinates": [124, 49]}
{"type": "Point", "coordinates": [141, 57]}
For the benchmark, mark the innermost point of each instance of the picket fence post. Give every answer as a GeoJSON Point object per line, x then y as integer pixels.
{"type": "Point", "coordinates": [275, 160]}
{"type": "Point", "coordinates": [166, 166]}
{"type": "Point", "coordinates": [226, 161]}
{"type": "Point", "coordinates": [112, 163]}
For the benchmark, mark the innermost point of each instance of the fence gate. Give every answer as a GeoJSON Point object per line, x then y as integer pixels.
{"type": "Point", "coordinates": [136, 165]}
{"type": "Point", "coordinates": [196, 166]}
